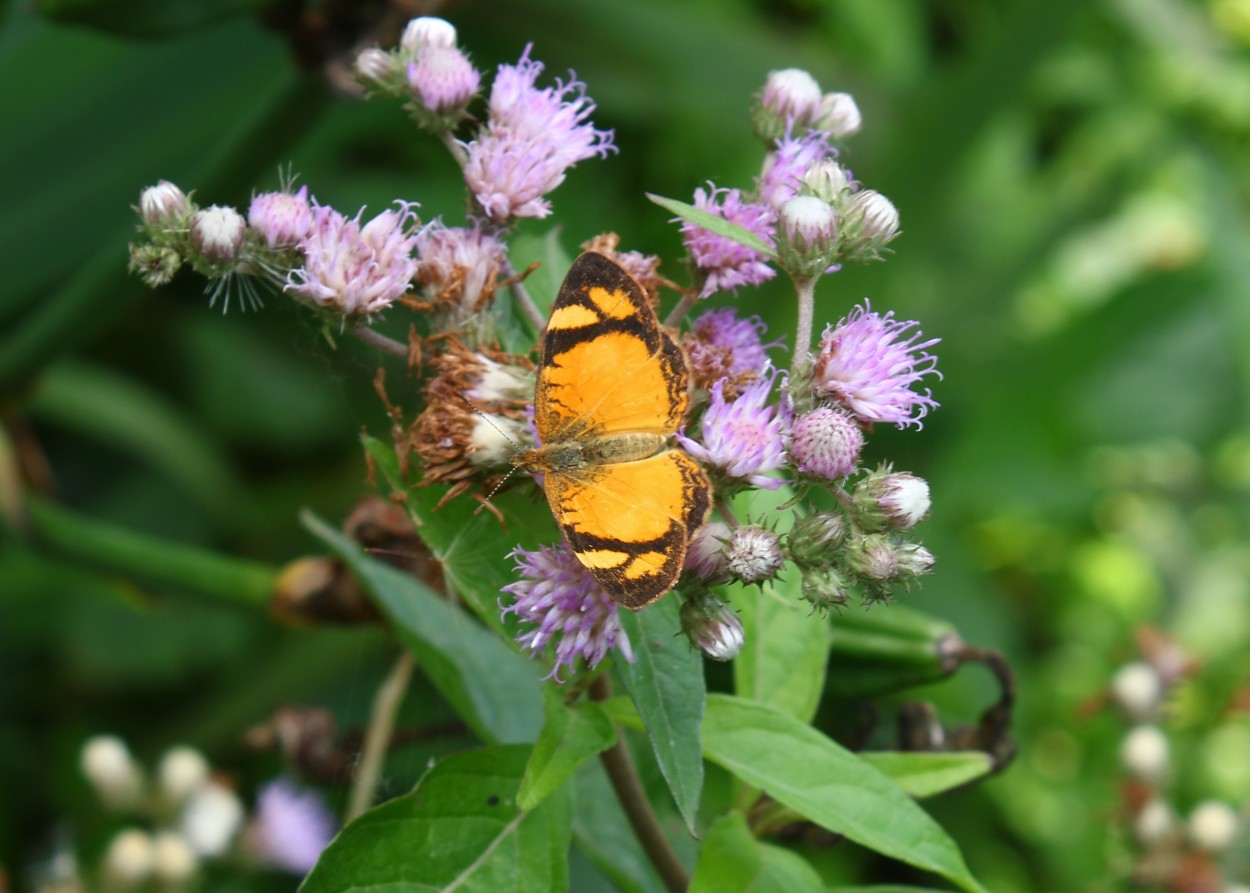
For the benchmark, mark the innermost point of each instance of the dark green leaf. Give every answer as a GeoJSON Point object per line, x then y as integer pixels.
{"type": "Point", "coordinates": [460, 829]}
{"type": "Point", "coordinates": [665, 681]}
{"type": "Point", "coordinates": [925, 774]}
{"type": "Point", "coordinates": [570, 736]}
{"type": "Point", "coordinates": [803, 769]}
{"type": "Point", "coordinates": [492, 687]}
{"type": "Point", "coordinates": [143, 18]}
{"type": "Point", "coordinates": [733, 861]}
{"type": "Point", "coordinates": [718, 225]}
{"type": "Point", "coordinates": [602, 832]}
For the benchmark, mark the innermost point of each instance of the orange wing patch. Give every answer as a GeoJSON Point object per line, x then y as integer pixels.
{"type": "Point", "coordinates": [612, 389]}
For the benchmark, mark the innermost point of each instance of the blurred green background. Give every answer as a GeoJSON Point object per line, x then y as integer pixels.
{"type": "Point", "coordinates": [1072, 178]}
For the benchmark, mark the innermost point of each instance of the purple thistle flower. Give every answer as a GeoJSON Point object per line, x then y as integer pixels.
{"type": "Point", "coordinates": [560, 597]}
{"type": "Point", "coordinates": [354, 269]}
{"type": "Point", "coordinates": [723, 328]}
{"type": "Point", "coordinates": [866, 367]}
{"type": "Point", "coordinates": [443, 78]}
{"type": "Point", "coordinates": [532, 138]}
{"type": "Point", "coordinates": [825, 443]}
{"type": "Point", "coordinates": [728, 264]}
{"type": "Point", "coordinates": [744, 438]}
{"type": "Point", "coordinates": [786, 165]}
{"type": "Point", "coordinates": [290, 827]}
{"type": "Point", "coordinates": [283, 219]}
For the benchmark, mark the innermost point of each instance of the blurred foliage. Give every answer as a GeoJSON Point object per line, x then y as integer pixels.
{"type": "Point", "coordinates": [1073, 182]}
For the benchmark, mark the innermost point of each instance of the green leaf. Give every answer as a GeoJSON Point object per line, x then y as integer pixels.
{"type": "Point", "coordinates": [459, 829]}
{"type": "Point", "coordinates": [786, 648]}
{"type": "Point", "coordinates": [818, 778]}
{"type": "Point", "coordinates": [471, 546]}
{"type": "Point", "coordinates": [570, 736]}
{"type": "Point", "coordinates": [733, 861]}
{"type": "Point", "coordinates": [718, 225]}
{"type": "Point", "coordinates": [885, 888]}
{"type": "Point", "coordinates": [143, 18]}
{"type": "Point", "coordinates": [926, 774]}
{"type": "Point", "coordinates": [491, 687]}
{"type": "Point", "coordinates": [665, 681]}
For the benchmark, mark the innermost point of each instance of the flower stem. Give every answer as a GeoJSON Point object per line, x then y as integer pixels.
{"type": "Point", "coordinates": [378, 736]}
{"type": "Point", "coordinates": [380, 341]}
{"type": "Point", "coordinates": [806, 289]}
{"type": "Point", "coordinates": [521, 295]}
{"type": "Point", "coordinates": [625, 781]}
{"type": "Point", "coordinates": [681, 308]}
{"type": "Point", "coordinates": [457, 151]}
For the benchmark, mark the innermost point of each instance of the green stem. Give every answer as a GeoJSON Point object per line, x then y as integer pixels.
{"type": "Point", "coordinates": [521, 295]}
{"type": "Point", "coordinates": [629, 791]}
{"type": "Point", "coordinates": [806, 289]}
{"type": "Point", "coordinates": [148, 559]}
{"type": "Point", "coordinates": [380, 341]}
{"type": "Point", "coordinates": [386, 701]}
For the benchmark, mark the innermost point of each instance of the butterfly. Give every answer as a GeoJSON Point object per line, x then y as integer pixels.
{"type": "Point", "coordinates": [612, 389]}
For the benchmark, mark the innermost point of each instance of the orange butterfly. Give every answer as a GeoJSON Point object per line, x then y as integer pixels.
{"type": "Point", "coordinates": [612, 389]}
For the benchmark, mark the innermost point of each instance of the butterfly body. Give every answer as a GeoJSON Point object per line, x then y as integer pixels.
{"type": "Point", "coordinates": [612, 389]}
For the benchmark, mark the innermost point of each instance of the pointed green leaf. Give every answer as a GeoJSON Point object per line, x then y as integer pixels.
{"type": "Point", "coordinates": [459, 829]}
{"type": "Point", "coordinates": [665, 681]}
{"type": "Point", "coordinates": [926, 774]}
{"type": "Point", "coordinates": [885, 888]}
{"type": "Point", "coordinates": [718, 225]}
{"type": "Point", "coordinates": [733, 861]}
{"type": "Point", "coordinates": [803, 769]}
{"type": "Point", "coordinates": [786, 648]}
{"type": "Point", "coordinates": [493, 688]}
{"type": "Point", "coordinates": [570, 736]}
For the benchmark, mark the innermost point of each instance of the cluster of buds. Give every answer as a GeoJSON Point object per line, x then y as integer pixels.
{"type": "Point", "coordinates": [428, 69]}
{"type": "Point", "coordinates": [183, 816]}
{"type": "Point", "coordinates": [1176, 850]}
{"type": "Point", "coordinates": [805, 207]}
{"type": "Point", "coordinates": [346, 268]}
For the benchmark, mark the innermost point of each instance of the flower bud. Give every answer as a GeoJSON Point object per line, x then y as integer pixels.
{"type": "Point", "coordinates": [210, 820]}
{"type": "Point", "coordinates": [807, 236]}
{"type": "Point", "coordinates": [444, 82]}
{"type": "Point", "coordinates": [1213, 826]}
{"type": "Point", "coordinates": [753, 554]}
{"type": "Point", "coordinates": [838, 115]}
{"type": "Point", "coordinates": [173, 861]}
{"type": "Point", "coordinates": [825, 588]}
{"type": "Point", "coordinates": [873, 558]}
{"type": "Point", "coordinates": [871, 221]}
{"type": "Point", "coordinates": [128, 859]}
{"type": "Point", "coordinates": [890, 500]}
{"type": "Point", "coordinates": [181, 771]}
{"type": "Point", "coordinates": [705, 557]}
{"type": "Point", "coordinates": [712, 626]}
{"type": "Point", "coordinates": [814, 540]}
{"type": "Point", "coordinates": [107, 764]}
{"type": "Point", "coordinates": [154, 264]}
{"type": "Point", "coordinates": [1153, 823]}
{"type": "Point", "coordinates": [164, 205]}
{"type": "Point", "coordinates": [1145, 753]}
{"type": "Point", "coordinates": [377, 67]}
{"type": "Point", "coordinates": [914, 560]}
{"type": "Point", "coordinates": [217, 233]}
{"type": "Point", "coordinates": [281, 218]}
{"type": "Point", "coordinates": [790, 100]}
{"type": "Point", "coordinates": [826, 180]}
{"type": "Point", "coordinates": [1137, 690]}
{"type": "Point", "coordinates": [825, 443]}
{"type": "Point", "coordinates": [427, 31]}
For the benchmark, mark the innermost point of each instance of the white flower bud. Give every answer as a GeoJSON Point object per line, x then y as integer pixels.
{"type": "Point", "coordinates": [210, 820]}
{"type": "Point", "coordinates": [217, 233]}
{"type": "Point", "coordinates": [428, 31]}
{"type": "Point", "coordinates": [164, 205]}
{"type": "Point", "coordinates": [793, 94]}
{"type": "Point", "coordinates": [376, 66]}
{"type": "Point", "coordinates": [753, 554]}
{"type": "Point", "coordinates": [839, 115]}
{"type": "Point", "coordinates": [827, 180]}
{"type": "Point", "coordinates": [876, 214]}
{"type": "Point", "coordinates": [1153, 823]}
{"type": "Point", "coordinates": [713, 627]}
{"type": "Point", "coordinates": [807, 236]}
{"type": "Point", "coordinates": [1145, 753]}
{"type": "Point", "coordinates": [128, 859]}
{"type": "Point", "coordinates": [1137, 689]}
{"type": "Point", "coordinates": [181, 771]}
{"type": "Point", "coordinates": [106, 762]}
{"type": "Point", "coordinates": [173, 861]}
{"type": "Point", "coordinates": [1213, 826]}
{"type": "Point", "coordinates": [705, 558]}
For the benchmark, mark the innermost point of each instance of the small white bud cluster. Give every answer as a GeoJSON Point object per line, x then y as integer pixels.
{"type": "Point", "coordinates": [429, 69]}
{"type": "Point", "coordinates": [792, 102]}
